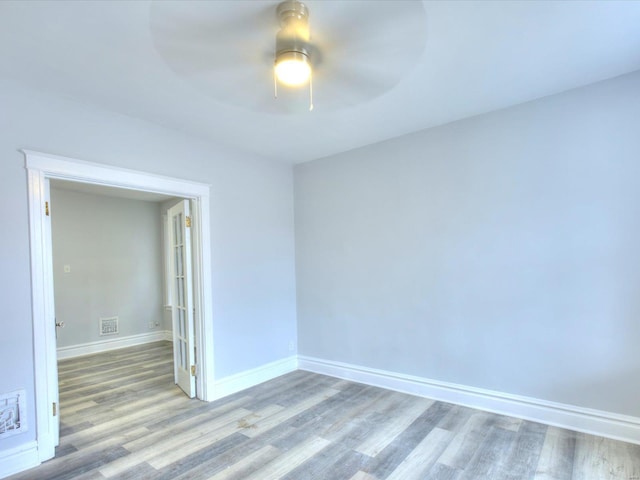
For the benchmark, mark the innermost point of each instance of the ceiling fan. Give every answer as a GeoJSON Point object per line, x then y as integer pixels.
{"type": "Point", "coordinates": [292, 65]}
{"type": "Point", "coordinates": [353, 50]}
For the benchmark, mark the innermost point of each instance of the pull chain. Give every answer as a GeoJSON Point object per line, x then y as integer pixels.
{"type": "Point", "coordinates": [275, 84]}
{"type": "Point", "coordinates": [311, 91]}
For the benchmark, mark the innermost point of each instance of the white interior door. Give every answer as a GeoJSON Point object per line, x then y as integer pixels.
{"type": "Point", "coordinates": [182, 298]}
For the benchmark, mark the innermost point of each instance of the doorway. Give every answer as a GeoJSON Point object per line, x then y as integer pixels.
{"type": "Point", "coordinates": [40, 169]}
{"type": "Point", "coordinates": [112, 272]}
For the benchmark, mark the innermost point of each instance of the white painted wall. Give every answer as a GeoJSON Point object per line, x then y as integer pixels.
{"type": "Point", "coordinates": [251, 223]}
{"type": "Point", "coordinates": [499, 252]}
{"type": "Point", "coordinates": [113, 247]}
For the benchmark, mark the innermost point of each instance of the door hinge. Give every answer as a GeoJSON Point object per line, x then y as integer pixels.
{"type": "Point", "coordinates": [193, 370]}
{"type": "Point", "coordinates": [187, 221]}
{"type": "Point", "coordinates": [55, 409]}
{"type": "Point", "coordinates": [46, 208]}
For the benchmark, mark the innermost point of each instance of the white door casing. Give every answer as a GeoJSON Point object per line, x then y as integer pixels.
{"type": "Point", "coordinates": [40, 168]}
{"type": "Point", "coordinates": [182, 297]}
{"type": "Point", "coordinates": [51, 302]}
{"type": "Point", "coordinates": [43, 311]}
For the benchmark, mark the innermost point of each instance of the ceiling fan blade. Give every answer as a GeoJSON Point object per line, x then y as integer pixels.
{"type": "Point", "coordinates": [227, 48]}
{"type": "Point", "coordinates": [194, 36]}
{"type": "Point", "coordinates": [361, 57]}
{"type": "Point", "coordinates": [359, 24]}
{"type": "Point", "coordinates": [349, 88]}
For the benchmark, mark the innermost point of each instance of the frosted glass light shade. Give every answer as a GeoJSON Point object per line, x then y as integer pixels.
{"type": "Point", "coordinates": [293, 68]}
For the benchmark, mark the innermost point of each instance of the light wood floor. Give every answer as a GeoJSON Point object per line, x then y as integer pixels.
{"type": "Point", "coordinates": [123, 418]}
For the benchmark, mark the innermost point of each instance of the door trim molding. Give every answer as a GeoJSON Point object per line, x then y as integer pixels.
{"type": "Point", "coordinates": [40, 168]}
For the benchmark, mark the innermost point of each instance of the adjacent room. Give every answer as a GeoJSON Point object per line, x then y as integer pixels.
{"type": "Point", "coordinates": [346, 239]}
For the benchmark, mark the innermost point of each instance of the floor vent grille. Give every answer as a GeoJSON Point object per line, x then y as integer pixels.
{"type": "Point", "coordinates": [12, 413]}
{"type": "Point", "coordinates": [109, 326]}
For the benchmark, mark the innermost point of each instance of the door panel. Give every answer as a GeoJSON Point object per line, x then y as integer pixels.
{"type": "Point", "coordinates": [182, 298]}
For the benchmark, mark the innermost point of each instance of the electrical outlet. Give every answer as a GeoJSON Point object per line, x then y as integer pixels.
{"type": "Point", "coordinates": [152, 325]}
{"type": "Point", "coordinates": [291, 346]}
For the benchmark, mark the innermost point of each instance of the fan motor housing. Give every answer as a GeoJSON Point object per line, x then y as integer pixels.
{"type": "Point", "coordinates": [292, 8]}
{"type": "Point", "coordinates": [293, 37]}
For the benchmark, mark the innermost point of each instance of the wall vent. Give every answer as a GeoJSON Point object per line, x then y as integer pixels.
{"type": "Point", "coordinates": [12, 413]}
{"type": "Point", "coordinates": [109, 326]}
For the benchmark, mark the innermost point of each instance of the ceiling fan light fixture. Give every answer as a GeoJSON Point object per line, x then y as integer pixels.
{"type": "Point", "coordinates": [293, 68]}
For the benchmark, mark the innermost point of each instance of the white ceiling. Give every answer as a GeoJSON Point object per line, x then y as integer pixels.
{"type": "Point", "coordinates": [468, 58]}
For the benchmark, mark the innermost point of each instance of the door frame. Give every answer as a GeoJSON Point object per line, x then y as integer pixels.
{"type": "Point", "coordinates": [40, 168]}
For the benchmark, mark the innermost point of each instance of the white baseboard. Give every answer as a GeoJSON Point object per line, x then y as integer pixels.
{"type": "Point", "coordinates": [596, 422]}
{"type": "Point", "coordinates": [112, 344]}
{"type": "Point", "coordinates": [18, 459]}
{"type": "Point", "coordinates": [249, 378]}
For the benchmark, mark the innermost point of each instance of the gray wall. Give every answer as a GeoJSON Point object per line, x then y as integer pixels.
{"type": "Point", "coordinates": [113, 247]}
{"type": "Point", "coordinates": [251, 222]}
{"type": "Point", "coordinates": [499, 252]}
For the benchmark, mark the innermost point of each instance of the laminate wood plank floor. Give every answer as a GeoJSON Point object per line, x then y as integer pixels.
{"type": "Point", "coordinates": [123, 418]}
